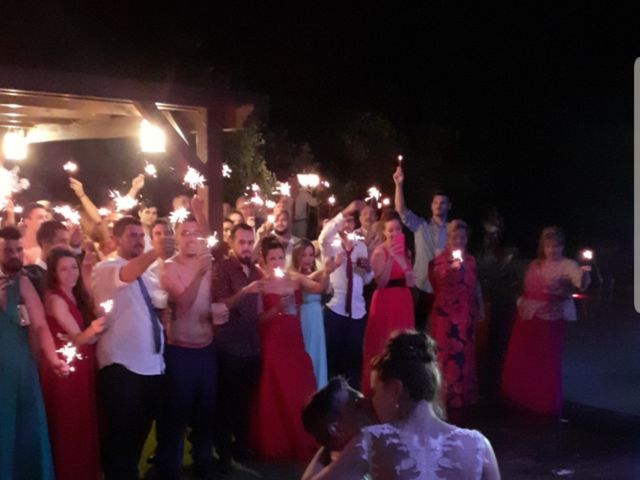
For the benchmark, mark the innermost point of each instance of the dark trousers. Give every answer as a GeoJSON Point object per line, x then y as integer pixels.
{"type": "Point", "coordinates": [422, 304]}
{"type": "Point", "coordinates": [129, 404]}
{"type": "Point", "coordinates": [344, 338]}
{"type": "Point", "coordinates": [237, 381]}
{"type": "Point", "coordinates": [189, 398]}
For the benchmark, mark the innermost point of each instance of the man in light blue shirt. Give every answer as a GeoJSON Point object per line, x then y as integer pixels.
{"type": "Point", "coordinates": [430, 238]}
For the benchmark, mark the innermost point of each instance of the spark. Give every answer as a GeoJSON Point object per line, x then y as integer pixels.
{"type": "Point", "coordinates": [353, 236]}
{"type": "Point", "coordinates": [107, 306]}
{"type": "Point", "coordinates": [123, 204]}
{"type": "Point", "coordinates": [374, 194]}
{"type": "Point", "coordinates": [257, 200]}
{"type": "Point", "coordinates": [457, 255]}
{"type": "Point", "coordinates": [283, 188]}
{"type": "Point", "coordinates": [271, 218]}
{"type": "Point", "coordinates": [70, 167]}
{"type": "Point", "coordinates": [400, 159]}
{"type": "Point", "coordinates": [69, 353]}
{"type": "Point", "coordinates": [10, 183]}
{"type": "Point", "coordinates": [226, 170]}
{"type": "Point", "coordinates": [308, 180]}
{"type": "Point", "coordinates": [179, 215]}
{"type": "Point", "coordinates": [270, 204]}
{"type": "Point", "coordinates": [18, 209]}
{"type": "Point", "coordinates": [151, 170]}
{"type": "Point", "coordinates": [326, 184]}
{"type": "Point", "coordinates": [332, 200]}
{"type": "Point", "coordinates": [255, 187]}
{"type": "Point", "coordinates": [278, 272]}
{"type": "Point", "coordinates": [587, 254]}
{"type": "Point", "coordinates": [68, 213]}
{"type": "Point", "coordinates": [104, 212]}
{"type": "Point", "coordinates": [194, 179]}
{"type": "Point", "coordinates": [386, 202]}
{"type": "Point", "coordinates": [212, 240]}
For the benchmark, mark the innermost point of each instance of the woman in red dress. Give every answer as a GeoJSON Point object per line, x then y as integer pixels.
{"type": "Point", "coordinates": [392, 305]}
{"type": "Point", "coordinates": [532, 373]}
{"type": "Point", "coordinates": [456, 309]}
{"type": "Point", "coordinates": [286, 377]}
{"type": "Point", "coordinates": [70, 403]}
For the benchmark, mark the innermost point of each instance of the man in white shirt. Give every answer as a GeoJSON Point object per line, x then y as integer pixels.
{"type": "Point", "coordinates": [148, 214]}
{"type": "Point", "coordinates": [345, 314]}
{"type": "Point", "coordinates": [129, 352]}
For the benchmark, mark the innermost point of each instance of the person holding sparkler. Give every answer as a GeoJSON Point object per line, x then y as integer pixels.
{"type": "Point", "coordinates": [532, 374]}
{"type": "Point", "coordinates": [430, 238]}
{"type": "Point", "coordinates": [456, 309]}
{"type": "Point", "coordinates": [345, 314]}
{"type": "Point", "coordinates": [24, 440]}
{"type": "Point", "coordinates": [72, 402]}
{"type": "Point", "coordinates": [277, 432]}
{"type": "Point", "coordinates": [129, 351]}
{"type": "Point", "coordinates": [148, 214]}
{"type": "Point", "coordinates": [190, 358]}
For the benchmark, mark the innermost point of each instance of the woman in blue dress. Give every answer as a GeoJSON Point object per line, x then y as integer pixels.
{"type": "Point", "coordinates": [25, 453]}
{"type": "Point", "coordinates": [304, 262]}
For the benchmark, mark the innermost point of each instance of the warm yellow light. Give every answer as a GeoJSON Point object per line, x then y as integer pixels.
{"type": "Point", "coordinates": [14, 145]}
{"type": "Point", "coordinates": [152, 138]}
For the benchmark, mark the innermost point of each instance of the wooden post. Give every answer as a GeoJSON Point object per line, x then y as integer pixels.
{"type": "Point", "coordinates": [215, 118]}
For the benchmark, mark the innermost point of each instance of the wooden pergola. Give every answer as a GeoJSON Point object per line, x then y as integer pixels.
{"type": "Point", "coordinates": [56, 106]}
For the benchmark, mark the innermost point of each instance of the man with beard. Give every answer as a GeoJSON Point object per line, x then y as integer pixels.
{"type": "Point", "coordinates": [129, 352]}
{"type": "Point", "coordinates": [236, 282]}
{"type": "Point", "coordinates": [190, 377]}
{"type": "Point", "coordinates": [281, 229]}
{"type": "Point", "coordinates": [24, 440]}
{"type": "Point", "coordinates": [430, 238]}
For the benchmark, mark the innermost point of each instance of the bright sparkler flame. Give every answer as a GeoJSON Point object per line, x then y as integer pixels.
{"type": "Point", "coordinates": [70, 353]}
{"type": "Point", "coordinates": [226, 170]}
{"type": "Point", "coordinates": [107, 306]}
{"type": "Point", "coordinates": [151, 170]}
{"type": "Point", "coordinates": [587, 254]}
{"type": "Point", "coordinates": [386, 202]}
{"type": "Point", "coordinates": [255, 187]}
{"type": "Point", "coordinates": [68, 213]}
{"type": "Point", "coordinates": [104, 212]}
{"type": "Point", "coordinates": [70, 167]}
{"type": "Point", "coordinates": [400, 158]}
{"type": "Point", "coordinates": [10, 183]}
{"type": "Point", "coordinates": [123, 204]}
{"type": "Point", "coordinates": [271, 218]}
{"type": "Point", "coordinates": [18, 209]}
{"type": "Point", "coordinates": [278, 272]}
{"type": "Point", "coordinates": [332, 200]}
{"type": "Point", "coordinates": [257, 200]}
{"type": "Point", "coordinates": [326, 184]}
{"type": "Point", "coordinates": [283, 188]}
{"type": "Point", "coordinates": [179, 215]}
{"type": "Point", "coordinates": [194, 179]}
{"type": "Point", "coordinates": [353, 236]}
{"type": "Point", "coordinates": [374, 194]}
{"type": "Point", "coordinates": [308, 180]}
{"type": "Point", "coordinates": [270, 204]}
{"type": "Point", "coordinates": [457, 255]}
{"type": "Point", "coordinates": [212, 240]}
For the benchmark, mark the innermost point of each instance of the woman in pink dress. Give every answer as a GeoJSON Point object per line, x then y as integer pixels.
{"type": "Point", "coordinates": [286, 377]}
{"type": "Point", "coordinates": [70, 403]}
{"type": "Point", "coordinates": [457, 308]}
{"type": "Point", "coordinates": [532, 373]}
{"type": "Point", "coordinates": [391, 306]}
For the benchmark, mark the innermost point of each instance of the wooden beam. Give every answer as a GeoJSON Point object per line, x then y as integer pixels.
{"type": "Point", "coordinates": [68, 102]}
{"type": "Point", "coordinates": [214, 123]}
{"type": "Point", "coordinates": [116, 127]}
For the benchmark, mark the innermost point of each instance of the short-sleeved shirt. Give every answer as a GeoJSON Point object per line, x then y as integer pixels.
{"type": "Point", "coordinates": [238, 336]}
{"type": "Point", "coordinates": [430, 239]}
{"type": "Point", "coordinates": [128, 339]}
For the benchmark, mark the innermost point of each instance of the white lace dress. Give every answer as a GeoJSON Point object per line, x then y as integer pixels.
{"type": "Point", "coordinates": [393, 454]}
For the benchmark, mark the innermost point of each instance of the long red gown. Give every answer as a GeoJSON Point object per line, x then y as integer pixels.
{"type": "Point", "coordinates": [286, 383]}
{"type": "Point", "coordinates": [71, 410]}
{"type": "Point", "coordinates": [452, 324]}
{"type": "Point", "coordinates": [391, 309]}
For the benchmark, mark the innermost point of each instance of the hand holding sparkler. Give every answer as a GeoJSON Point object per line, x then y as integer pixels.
{"type": "Point", "coordinates": [587, 257]}
{"type": "Point", "coordinates": [70, 167]}
{"type": "Point", "coordinates": [457, 259]}
{"type": "Point", "coordinates": [278, 272]}
{"type": "Point", "coordinates": [194, 179]}
{"type": "Point", "coordinates": [77, 187]}
{"type": "Point", "coordinates": [398, 176]}
{"type": "Point", "coordinates": [69, 354]}
{"type": "Point", "coordinates": [151, 170]}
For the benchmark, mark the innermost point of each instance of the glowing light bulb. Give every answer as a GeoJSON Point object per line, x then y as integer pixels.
{"type": "Point", "coordinates": [152, 138]}
{"type": "Point", "coordinates": [14, 145]}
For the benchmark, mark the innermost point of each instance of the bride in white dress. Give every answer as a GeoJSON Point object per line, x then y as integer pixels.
{"type": "Point", "coordinates": [412, 443]}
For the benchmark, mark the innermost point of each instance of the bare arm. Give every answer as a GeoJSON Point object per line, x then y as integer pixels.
{"type": "Point", "coordinates": [58, 309]}
{"type": "Point", "coordinates": [136, 185]}
{"type": "Point", "coordinates": [85, 201]}
{"type": "Point", "coordinates": [183, 296]}
{"type": "Point", "coordinates": [308, 284]}
{"type": "Point", "coordinates": [135, 267]}
{"type": "Point", "coordinates": [381, 264]}
{"type": "Point", "coordinates": [39, 328]}
{"type": "Point", "coordinates": [197, 208]}
{"type": "Point", "coordinates": [398, 178]}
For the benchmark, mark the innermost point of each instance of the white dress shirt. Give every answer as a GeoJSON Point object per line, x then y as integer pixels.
{"type": "Point", "coordinates": [128, 338]}
{"type": "Point", "coordinates": [338, 279]}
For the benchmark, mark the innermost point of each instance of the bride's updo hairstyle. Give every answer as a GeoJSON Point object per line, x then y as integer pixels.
{"type": "Point", "coordinates": [410, 357]}
{"type": "Point", "coordinates": [269, 243]}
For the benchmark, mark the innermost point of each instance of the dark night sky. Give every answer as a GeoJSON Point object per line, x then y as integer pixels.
{"type": "Point", "coordinates": [542, 98]}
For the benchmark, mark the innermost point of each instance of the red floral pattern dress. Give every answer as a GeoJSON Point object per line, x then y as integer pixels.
{"type": "Point", "coordinates": [452, 324]}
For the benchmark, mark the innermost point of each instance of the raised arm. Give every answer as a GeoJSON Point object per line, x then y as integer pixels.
{"type": "Point", "coordinates": [410, 219]}
{"type": "Point", "coordinates": [85, 201]}
{"type": "Point", "coordinates": [181, 295]}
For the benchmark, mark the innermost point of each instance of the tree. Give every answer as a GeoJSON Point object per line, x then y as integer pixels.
{"type": "Point", "coordinates": [286, 157]}
{"type": "Point", "coordinates": [243, 151]}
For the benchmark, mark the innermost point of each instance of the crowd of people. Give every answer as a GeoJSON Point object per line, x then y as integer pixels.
{"type": "Point", "coordinates": [225, 344]}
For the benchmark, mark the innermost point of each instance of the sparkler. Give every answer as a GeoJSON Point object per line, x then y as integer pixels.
{"type": "Point", "coordinates": [308, 180]}
{"type": "Point", "coordinates": [255, 187]}
{"type": "Point", "coordinates": [70, 353]}
{"type": "Point", "coordinates": [70, 167]}
{"type": "Point", "coordinates": [104, 212]}
{"type": "Point", "coordinates": [179, 215]}
{"type": "Point", "coordinates": [270, 204]}
{"type": "Point", "coordinates": [256, 199]}
{"type": "Point", "coordinates": [587, 254]}
{"type": "Point", "coordinates": [18, 209]}
{"type": "Point", "coordinates": [278, 272]}
{"type": "Point", "coordinates": [212, 240]}
{"type": "Point", "coordinates": [226, 171]}
{"type": "Point", "coordinates": [457, 255]}
{"type": "Point", "coordinates": [400, 159]}
{"type": "Point", "coordinates": [332, 200]}
{"type": "Point", "coordinates": [150, 169]}
{"type": "Point", "coordinates": [123, 204]}
{"type": "Point", "coordinates": [10, 183]}
{"type": "Point", "coordinates": [107, 306]}
{"type": "Point", "coordinates": [194, 179]}
{"type": "Point", "coordinates": [271, 218]}
{"type": "Point", "coordinates": [283, 188]}
{"type": "Point", "coordinates": [326, 184]}
{"type": "Point", "coordinates": [386, 202]}
{"type": "Point", "coordinates": [353, 236]}
{"type": "Point", "coordinates": [374, 194]}
{"type": "Point", "coordinates": [68, 213]}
